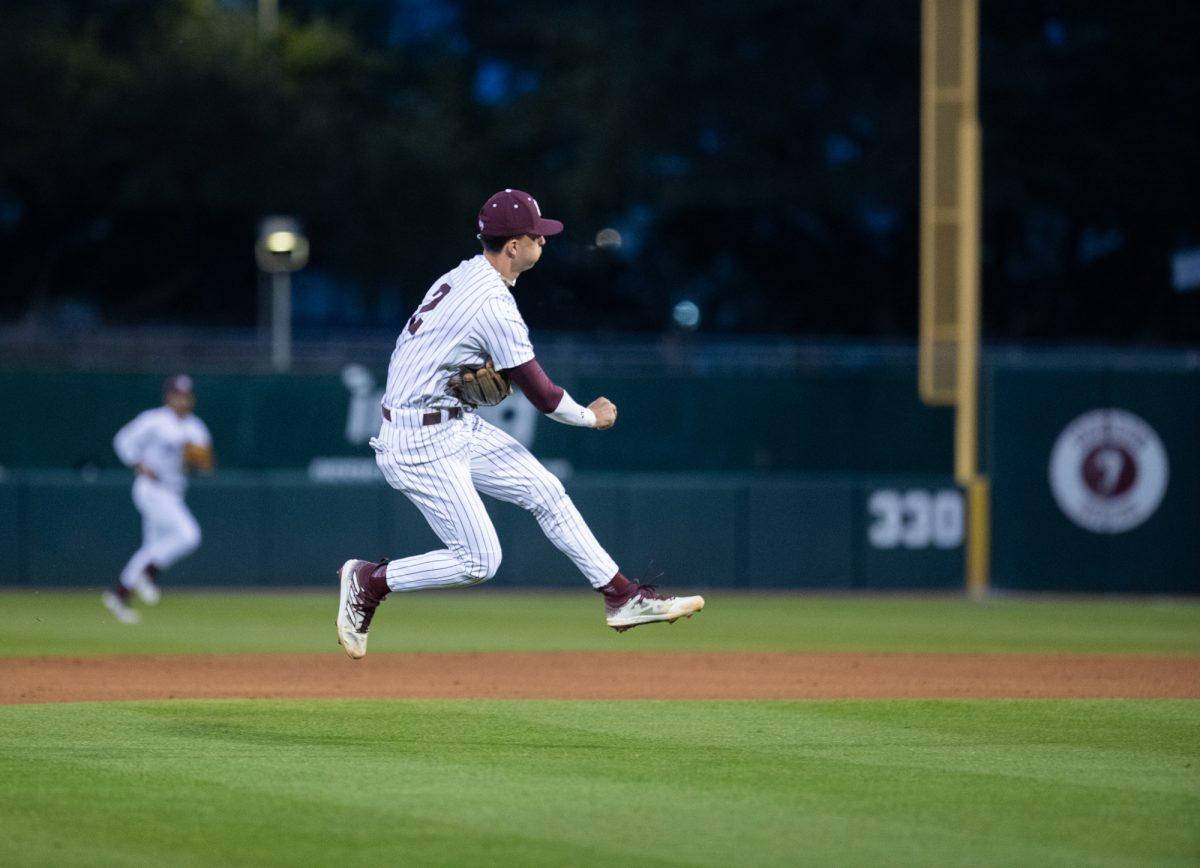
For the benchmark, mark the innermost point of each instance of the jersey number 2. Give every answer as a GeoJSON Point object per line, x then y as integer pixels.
{"type": "Point", "coordinates": [415, 321]}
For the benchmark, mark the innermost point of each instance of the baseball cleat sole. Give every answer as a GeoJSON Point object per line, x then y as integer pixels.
{"type": "Point", "coordinates": [625, 627]}
{"type": "Point", "coordinates": [685, 607]}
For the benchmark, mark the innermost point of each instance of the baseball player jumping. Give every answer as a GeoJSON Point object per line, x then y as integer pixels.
{"type": "Point", "coordinates": [461, 349]}
{"type": "Point", "coordinates": [160, 445]}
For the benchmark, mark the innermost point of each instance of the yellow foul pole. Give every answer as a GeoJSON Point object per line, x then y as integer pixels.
{"type": "Point", "coordinates": [951, 194]}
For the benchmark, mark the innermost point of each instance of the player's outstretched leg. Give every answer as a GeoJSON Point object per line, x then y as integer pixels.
{"type": "Point", "coordinates": [363, 587]}
{"type": "Point", "coordinates": [134, 579]}
{"type": "Point", "coordinates": [169, 533]}
{"type": "Point", "coordinates": [628, 604]}
{"type": "Point", "coordinates": [504, 469]}
{"type": "Point", "coordinates": [145, 585]}
{"type": "Point", "coordinates": [117, 602]}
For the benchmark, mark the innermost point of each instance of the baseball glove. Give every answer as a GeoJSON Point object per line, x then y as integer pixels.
{"type": "Point", "coordinates": [480, 387]}
{"type": "Point", "coordinates": [198, 458]}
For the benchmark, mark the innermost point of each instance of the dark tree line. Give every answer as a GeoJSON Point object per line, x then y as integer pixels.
{"type": "Point", "coordinates": [759, 158]}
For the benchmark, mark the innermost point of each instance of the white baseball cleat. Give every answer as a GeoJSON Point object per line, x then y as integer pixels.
{"type": "Point", "coordinates": [146, 589]}
{"type": "Point", "coordinates": [647, 606]}
{"type": "Point", "coordinates": [121, 610]}
{"type": "Point", "coordinates": [356, 607]}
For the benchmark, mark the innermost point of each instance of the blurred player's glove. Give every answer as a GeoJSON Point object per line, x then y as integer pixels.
{"type": "Point", "coordinates": [197, 457]}
{"type": "Point", "coordinates": [480, 387]}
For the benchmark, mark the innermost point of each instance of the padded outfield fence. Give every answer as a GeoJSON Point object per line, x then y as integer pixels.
{"type": "Point", "coordinates": [283, 529]}
{"type": "Point", "coordinates": [716, 474]}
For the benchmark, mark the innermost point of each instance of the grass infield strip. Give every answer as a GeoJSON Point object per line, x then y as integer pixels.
{"type": "Point", "coordinates": [74, 624]}
{"type": "Point", "coordinates": [997, 782]}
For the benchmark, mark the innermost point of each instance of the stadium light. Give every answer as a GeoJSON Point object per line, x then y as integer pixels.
{"type": "Point", "coordinates": [281, 242]}
{"type": "Point", "coordinates": [281, 249]}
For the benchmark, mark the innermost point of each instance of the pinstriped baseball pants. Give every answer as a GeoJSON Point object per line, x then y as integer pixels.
{"type": "Point", "coordinates": [446, 490]}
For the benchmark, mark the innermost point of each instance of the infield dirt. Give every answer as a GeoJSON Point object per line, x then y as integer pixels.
{"type": "Point", "coordinates": [599, 676]}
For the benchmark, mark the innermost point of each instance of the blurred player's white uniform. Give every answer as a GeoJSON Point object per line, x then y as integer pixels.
{"type": "Point", "coordinates": [153, 444]}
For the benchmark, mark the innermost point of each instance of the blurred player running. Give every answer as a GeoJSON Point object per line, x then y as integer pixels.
{"type": "Point", "coordinates": [160, 445]}
{"type": "Point", "coordinates": [442, 455]}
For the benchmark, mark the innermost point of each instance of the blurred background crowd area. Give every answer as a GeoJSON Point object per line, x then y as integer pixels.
{"type": "Point", "coordinates": [756, 163]}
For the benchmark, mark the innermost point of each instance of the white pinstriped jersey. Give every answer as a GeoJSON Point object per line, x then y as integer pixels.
{"type": "Point", "coordinates": [467, 316]}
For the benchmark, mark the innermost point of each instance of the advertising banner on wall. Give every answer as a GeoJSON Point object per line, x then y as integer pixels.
{"type": "Point", "coordinates": [1096, 479]}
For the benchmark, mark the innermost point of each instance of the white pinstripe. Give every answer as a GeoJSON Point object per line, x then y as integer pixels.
{"type": "Point", "coordinates": [468, 314]}
{"type": "Point", "coordinates": [473, 316]}
{"type": "Point", "coordinates": [446, 490]}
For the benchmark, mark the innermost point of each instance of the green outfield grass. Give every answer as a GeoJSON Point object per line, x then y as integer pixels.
{"type": "Point", "coordinates": [475, 620]}
{"type": "Point", "coordinates": [1113, 782]}
{"type": "Point", "coordinates": [585, 783]}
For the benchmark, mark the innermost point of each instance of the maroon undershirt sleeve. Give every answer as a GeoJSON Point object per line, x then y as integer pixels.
{"type": "Point", "coordinates": [538, 388]}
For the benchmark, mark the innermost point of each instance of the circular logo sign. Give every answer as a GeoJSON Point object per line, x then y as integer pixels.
{"type": "Point", "coordinates": [1108, 471]}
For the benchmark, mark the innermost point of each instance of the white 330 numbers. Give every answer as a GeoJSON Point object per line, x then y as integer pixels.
{"type": "Point", "coordinates": [915, 519]}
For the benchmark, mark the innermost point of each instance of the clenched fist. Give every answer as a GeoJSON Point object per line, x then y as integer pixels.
{"type": "Point", "coordinates": [606, 413]}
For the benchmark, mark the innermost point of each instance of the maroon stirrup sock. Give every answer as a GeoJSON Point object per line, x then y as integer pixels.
{"type": "Point", "coordinates": [376, 583]}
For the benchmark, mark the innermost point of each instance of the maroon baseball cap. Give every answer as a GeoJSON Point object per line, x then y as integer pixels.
{"type": "Point", "coordinates": [179, 383]}
{"type": "Point", "coordinates": [514, 212]}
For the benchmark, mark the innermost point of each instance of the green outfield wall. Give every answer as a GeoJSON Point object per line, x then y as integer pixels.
{"type": "Point", "coordinates": [836, 420]}
{"type": "Point", "coordinates": [839, 479]}
{"type": "Point", "coordinates": [283, 529]}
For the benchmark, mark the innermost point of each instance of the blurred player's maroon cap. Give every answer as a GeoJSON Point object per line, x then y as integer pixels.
{"type": "Point", "coordinates": [178, 383]}
{"type": "Point", "coordinates": [514, 212]}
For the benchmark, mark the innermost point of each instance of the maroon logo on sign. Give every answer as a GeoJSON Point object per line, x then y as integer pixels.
{"type": "Point", "coordinates": [1109, 470]}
